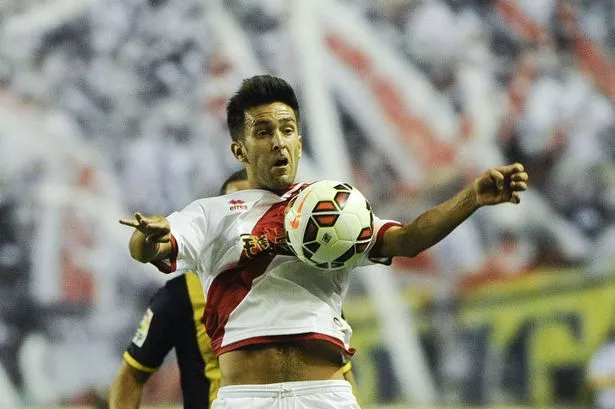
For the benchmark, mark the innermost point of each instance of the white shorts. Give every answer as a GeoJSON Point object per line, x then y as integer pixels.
{"type": "Point", "coordinates": [287, 395]}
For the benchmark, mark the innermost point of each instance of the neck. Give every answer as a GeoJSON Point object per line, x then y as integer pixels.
{"type": "Point", "coordinates": [254, 184]}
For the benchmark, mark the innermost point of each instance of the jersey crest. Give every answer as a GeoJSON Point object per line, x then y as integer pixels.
{"type": "Point", "coordinates": [268, 236]}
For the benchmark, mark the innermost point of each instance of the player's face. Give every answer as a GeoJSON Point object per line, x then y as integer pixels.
{"type": "Point", "coordinates": [272, 146]}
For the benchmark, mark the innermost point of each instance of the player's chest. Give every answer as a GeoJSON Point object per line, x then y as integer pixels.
{"type": "Point", "coordinates": [258, 230]}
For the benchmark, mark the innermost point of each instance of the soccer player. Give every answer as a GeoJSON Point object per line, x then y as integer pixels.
{"type": "Point", "coordinates": [174, 319]}
{"type": "Point", "coordinates": [274, 322]}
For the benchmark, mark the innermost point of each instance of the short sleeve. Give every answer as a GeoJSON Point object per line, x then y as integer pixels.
{"type": "Point", "coordinates": [380, 227]}
{"type": "Point", "coordinates": [188, 237]}
{"type": "Point", "coordinates": [152, 340]}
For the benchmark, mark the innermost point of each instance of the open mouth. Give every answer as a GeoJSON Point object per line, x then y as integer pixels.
{"type": "Point", "coordinates": [281, 162]}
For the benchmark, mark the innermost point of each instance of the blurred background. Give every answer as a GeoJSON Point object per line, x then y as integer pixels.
{"type": "Point", "coordinates": [112, 106]}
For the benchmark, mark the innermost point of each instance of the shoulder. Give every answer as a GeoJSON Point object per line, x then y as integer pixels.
{"type": "Point", "coordinates": [250, 195]}
{"type": "Point", "coordinates": [246, 194]}
{"type": "Point", "coordinates": [239, 202]}
{"type": "Point", "coordinates": [227, 202]}
{"type": "Point", "coordinates": [200, 205]}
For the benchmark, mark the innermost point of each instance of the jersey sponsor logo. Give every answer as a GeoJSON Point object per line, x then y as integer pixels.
{"type": "Point", "coordinates": [255, 246]}
{"type": "Point", "coordinates": [141, 335]}
{"type": "Point", "coordinates": [237, 204]}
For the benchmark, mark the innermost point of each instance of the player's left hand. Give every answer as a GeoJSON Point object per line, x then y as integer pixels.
{"type": "Point", "coordinates": [156, 229]}
{"type": "Point", "coordinates": [501, 185]}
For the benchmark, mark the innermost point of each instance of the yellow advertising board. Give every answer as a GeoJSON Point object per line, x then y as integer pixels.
{"type": "Point", "coordinates": [560, 314]}
{"type": "Point", "coordinates": [557, 317]}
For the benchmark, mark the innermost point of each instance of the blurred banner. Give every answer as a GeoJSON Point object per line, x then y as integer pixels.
{"type": "Point", "coordinates": [526, 339]}
{"type": "Point", "coordinates": [537, 333]}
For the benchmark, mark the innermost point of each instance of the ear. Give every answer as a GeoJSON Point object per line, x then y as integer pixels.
{"type": "Point", "coordinates": [300, 145]}
{"type": "Point", "coordinates": [238, 151]}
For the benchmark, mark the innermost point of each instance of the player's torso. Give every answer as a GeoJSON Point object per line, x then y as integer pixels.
{"type": "Point", "coordinates": [255, 287]}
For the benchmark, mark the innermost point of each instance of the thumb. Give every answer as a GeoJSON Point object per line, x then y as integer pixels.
{"type": "Point", "coordinates": [497, 178]}
{"type": "Point", "coordinates": [515, 198]}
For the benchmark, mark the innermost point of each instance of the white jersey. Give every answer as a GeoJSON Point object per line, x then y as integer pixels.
{"type": "Point", "coordinates": [257, 291]}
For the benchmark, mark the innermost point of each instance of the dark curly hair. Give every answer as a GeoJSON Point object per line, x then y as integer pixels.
{"type": "Point", "coordinates": [255, 91]}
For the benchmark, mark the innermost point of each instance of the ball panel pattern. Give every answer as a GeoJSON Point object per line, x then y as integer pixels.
{"type": "Point", "coordinates": [325, 220]}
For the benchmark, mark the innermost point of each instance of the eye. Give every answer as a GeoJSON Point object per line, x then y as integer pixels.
{"type": "Point", "coordinates": [289, 130]}
{"type": "Point", "coordinates": [262, 133]}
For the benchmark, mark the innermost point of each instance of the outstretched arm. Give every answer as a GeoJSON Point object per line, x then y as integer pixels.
{"type": "Point", "coordinates": [495, 186]}
{"type": "Point", "coordinates": [151, 238]}
{"type": "Point", "coordinates": [127, 388]}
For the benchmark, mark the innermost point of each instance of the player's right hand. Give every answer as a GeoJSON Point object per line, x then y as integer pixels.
{"type": "Point", "coordinates": [156, 229]}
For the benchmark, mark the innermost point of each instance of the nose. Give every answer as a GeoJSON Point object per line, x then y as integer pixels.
{"type": "Point", "coordinates": [278, 142]}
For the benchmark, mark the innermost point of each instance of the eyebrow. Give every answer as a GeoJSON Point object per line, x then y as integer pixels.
{"type": "Point", "coordinates": [261, 122]}
{"type": "Point", "coordinates": [288, 119]}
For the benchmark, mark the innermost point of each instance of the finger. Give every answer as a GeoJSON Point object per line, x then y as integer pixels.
{"type": "Point", "coordinates": [519, 177]}
{"type": "Point", "coordinates": [515, 198]}
{"type": "Point", "coordinates": [497, 178]}
{"type": "Point", "coordinates": [510, 169]}
{"type": "Point", "coordinates": [157, 228]}
{"type": "Point", "coordinates": [158, 238]}
{"type": "Point", "coordinates": [518, 186]}
{"type": "Point", "coordinates": [139, 217]}
{"type": "Point", "coordinates": [129, 222]}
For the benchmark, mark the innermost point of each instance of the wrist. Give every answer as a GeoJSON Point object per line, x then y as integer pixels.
{"type": "Point", "coordinates": [470, 197]}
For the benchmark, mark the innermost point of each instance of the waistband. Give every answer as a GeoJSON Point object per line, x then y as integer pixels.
{"type": "Point", "coordinates": [276, 390]}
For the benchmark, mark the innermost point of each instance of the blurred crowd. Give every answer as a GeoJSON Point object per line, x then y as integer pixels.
{"type": "Point", "coordinates": [127, 96]}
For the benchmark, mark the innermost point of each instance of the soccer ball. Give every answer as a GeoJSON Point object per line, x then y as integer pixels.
{"type": "Point", "coordinates": [329, 224]}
